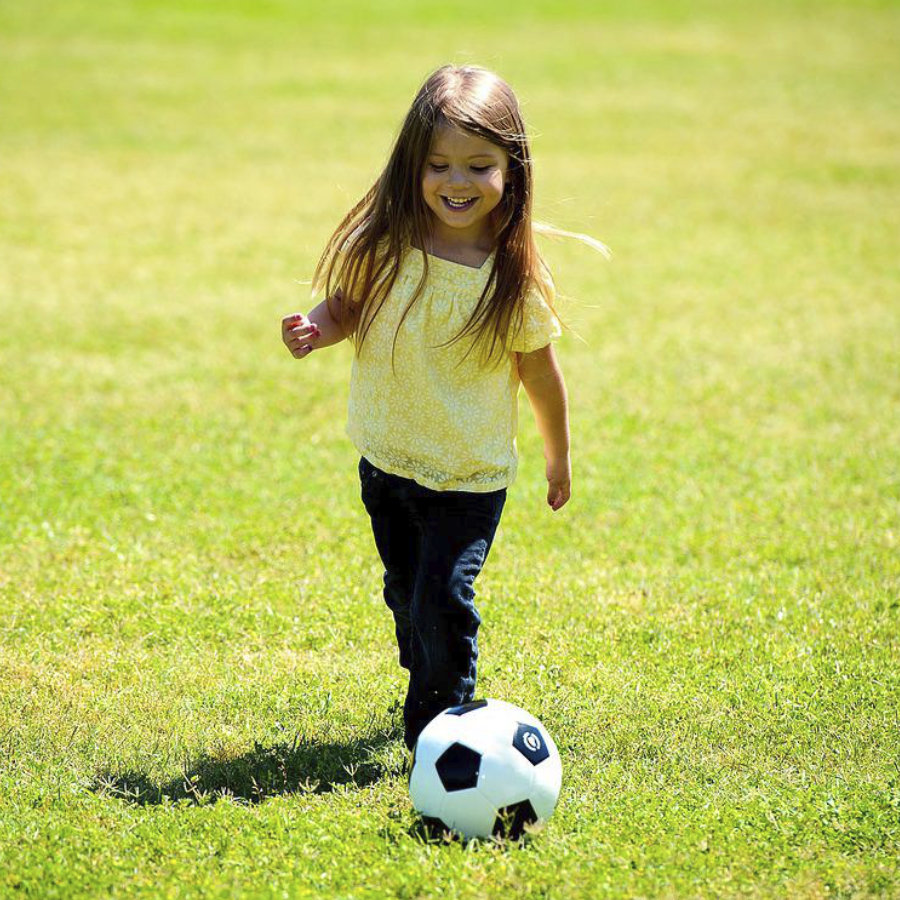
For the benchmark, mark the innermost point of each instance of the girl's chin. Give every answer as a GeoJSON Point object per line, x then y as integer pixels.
{"type": "Point", "coordinates": [454, 223]}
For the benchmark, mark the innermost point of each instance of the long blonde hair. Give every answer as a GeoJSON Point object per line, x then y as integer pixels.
{"type": "Point", "coordinates": [362, 258]}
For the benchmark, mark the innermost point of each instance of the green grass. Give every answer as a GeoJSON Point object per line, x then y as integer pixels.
{"type": "Point", "coordinates": [198, 689]}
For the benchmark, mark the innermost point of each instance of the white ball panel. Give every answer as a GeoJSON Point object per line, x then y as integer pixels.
{"type": "Point", "coordinates": [425, 789]}
{"type": "Point", "coordinates": [435, 738]}
{"type": "Point", "coordinates": [505, 777]}
{"type": "Point", "coordinates": [469, 813]}
{"type": "Point", "coordinates": [547, 783]}
{"type": "Point", "coordinates": [514, 713]}
{"type": "Point", "coordinates": [476, 729]}
{"type": "Point", "coordinates": [547, 777]}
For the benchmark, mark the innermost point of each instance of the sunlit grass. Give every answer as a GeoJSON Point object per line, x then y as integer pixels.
{"type": "Point", "coordinates": [198, 689]}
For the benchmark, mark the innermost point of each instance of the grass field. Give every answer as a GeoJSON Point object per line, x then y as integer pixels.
{"type": "Point", "coordinates": [198, 688]}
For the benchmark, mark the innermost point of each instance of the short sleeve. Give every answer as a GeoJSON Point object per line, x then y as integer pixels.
{"type": "Point", "coordinates": [540, 324]}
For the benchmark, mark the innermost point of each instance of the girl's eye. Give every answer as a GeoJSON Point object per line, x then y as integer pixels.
{"type": "Point", "coordinates": [442, 167]}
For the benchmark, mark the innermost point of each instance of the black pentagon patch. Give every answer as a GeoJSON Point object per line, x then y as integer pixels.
{"type": "Point", "coordinates": [458, 767]}
{"type": "Point", "coordinates": [433, 828]}
{"type": "Point", "coordinates": [511, 820]}
{"type": "Point", "coordinates": [466, 707]}
{"type": "Point", "coordinates": [531, 744]}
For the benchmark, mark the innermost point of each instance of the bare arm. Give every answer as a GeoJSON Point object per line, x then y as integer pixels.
{"type": "Point", "coordinates": [543, 381]}
{"type": "Point", "coordinates": [303, 334]}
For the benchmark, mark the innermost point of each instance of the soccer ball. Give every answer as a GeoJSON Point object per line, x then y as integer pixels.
{"type": "Point", "coordinates": [483, 769]}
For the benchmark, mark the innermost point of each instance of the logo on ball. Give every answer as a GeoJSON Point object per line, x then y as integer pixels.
{"type": "Point", "coordinates": [530, 743]}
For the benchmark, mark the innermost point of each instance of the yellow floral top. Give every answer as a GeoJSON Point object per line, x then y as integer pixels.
{"type": "Point", "coordinates": [445, 426]}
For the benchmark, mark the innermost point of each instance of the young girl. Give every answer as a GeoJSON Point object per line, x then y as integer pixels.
{"type": "Point", "coordinates": [435, 277]}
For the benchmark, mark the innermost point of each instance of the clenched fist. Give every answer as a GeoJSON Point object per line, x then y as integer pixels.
{"type": "Point", "coordinates": [299, 335]}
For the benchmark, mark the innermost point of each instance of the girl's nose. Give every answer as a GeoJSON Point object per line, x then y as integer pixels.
{"type": "Point", "coordinates": [457, 177]}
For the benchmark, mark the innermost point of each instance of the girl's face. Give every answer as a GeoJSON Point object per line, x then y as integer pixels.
{"type": "Point", "coordinates": [462, 184]}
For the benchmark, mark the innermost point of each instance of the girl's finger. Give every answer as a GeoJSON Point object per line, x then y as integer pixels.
{"type": "Point", "coordinates": [557, 496]}
{"type": "Point", "coordinates": [289, 322]}
{"type": "Point", "coordinates": [301, 337]}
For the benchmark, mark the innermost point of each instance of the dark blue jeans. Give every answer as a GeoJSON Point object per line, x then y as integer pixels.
{"type": "Point", "coordinates": [433, 545]}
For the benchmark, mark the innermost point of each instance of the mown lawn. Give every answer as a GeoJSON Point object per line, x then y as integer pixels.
{"type": "Point", "coordinates": [198, 688]}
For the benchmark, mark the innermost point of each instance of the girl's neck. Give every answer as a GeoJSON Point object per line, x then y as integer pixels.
{"type": "Point", "coordinates": [464, 250]}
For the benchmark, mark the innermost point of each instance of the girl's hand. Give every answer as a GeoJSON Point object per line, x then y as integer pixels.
{"type": "Point", "coordinates": [299, 334]}
{"type": "Point", "coordinates": [559, 478]}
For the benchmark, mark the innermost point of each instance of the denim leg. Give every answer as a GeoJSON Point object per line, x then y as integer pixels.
{"type": "Point", "coordinates": [458, 529]}
{"type": "Point", "coordinates": [398, 540]}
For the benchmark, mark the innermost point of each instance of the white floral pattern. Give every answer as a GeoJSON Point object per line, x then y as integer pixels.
{"type": "Point", "coordinates": [445, 426]}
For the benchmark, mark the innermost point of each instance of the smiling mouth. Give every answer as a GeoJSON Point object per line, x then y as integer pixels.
{"type": "Point", "coordinates": [459, 205]}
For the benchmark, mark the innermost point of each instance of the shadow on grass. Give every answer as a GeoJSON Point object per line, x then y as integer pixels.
{"type": "Point", "coordinates": [303, 766]}
{"type": "Point", "coordinates": [428, 830]}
